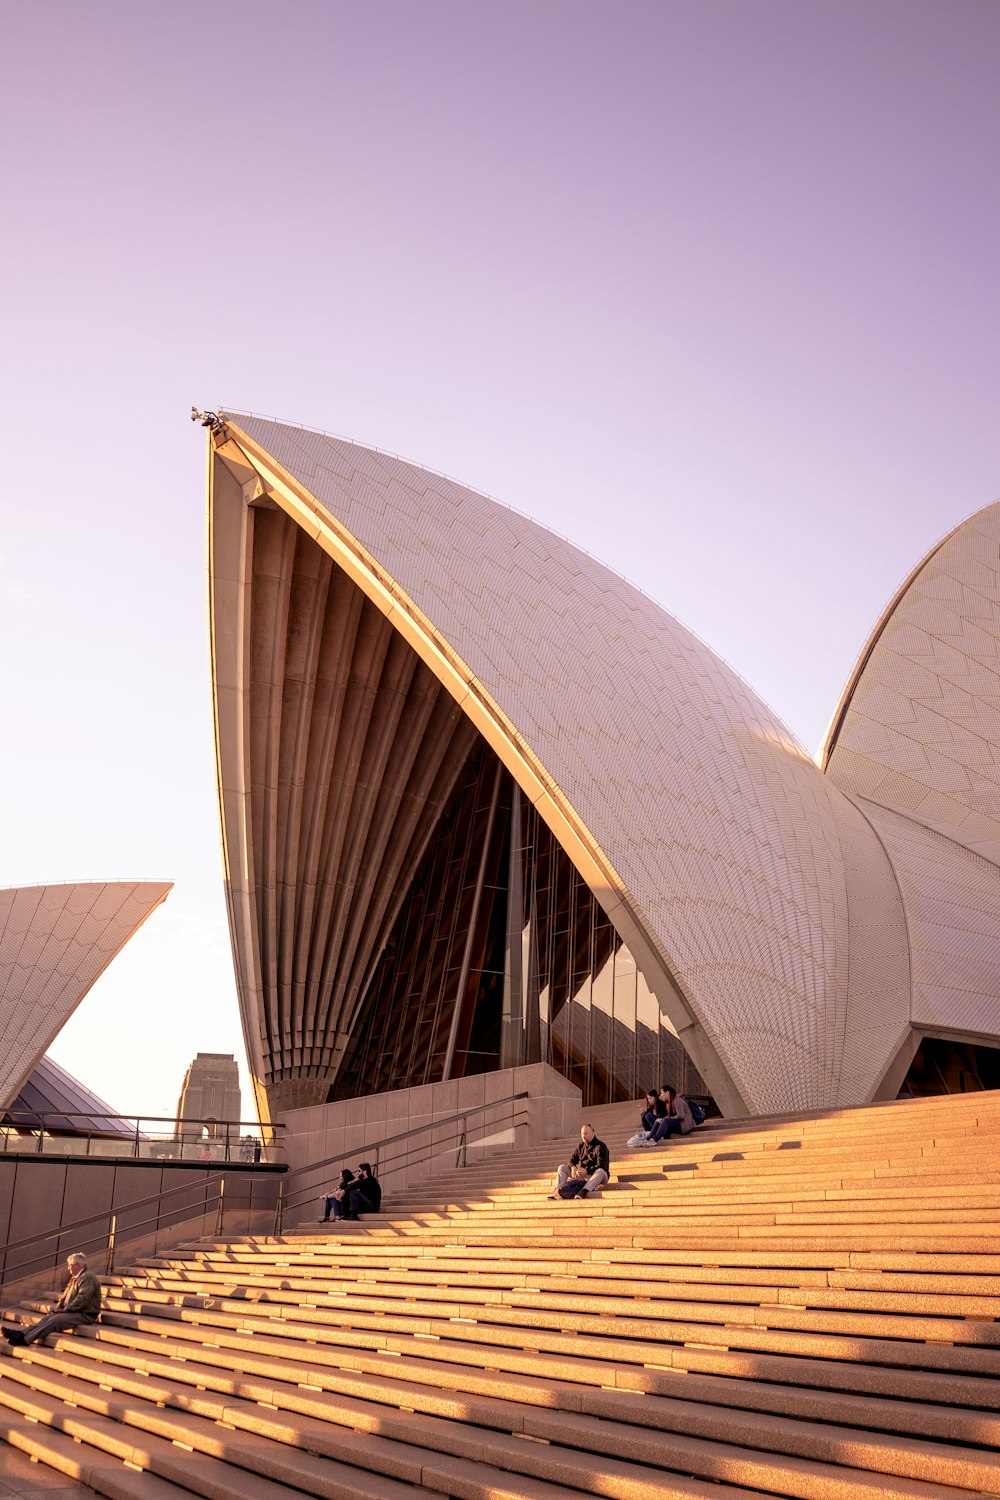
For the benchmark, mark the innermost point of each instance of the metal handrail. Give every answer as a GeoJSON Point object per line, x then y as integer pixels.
{"type": "Point", "coordinates": [53, 1234]}
{"type": "Point", "coordinates": [31, 1125]}
{"type": "Point", "coordinates": [212, 1187]}
{"type": "Point", "coordinates": [287, 1200]}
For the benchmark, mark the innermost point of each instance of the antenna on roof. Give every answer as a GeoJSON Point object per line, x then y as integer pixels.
{"type": "Point", "coordinates": [207, 419]}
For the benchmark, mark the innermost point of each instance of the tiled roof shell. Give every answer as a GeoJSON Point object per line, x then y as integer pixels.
{"type": "Point", "coordinates": [55, 941]}
{"type": "Point", "coordinates": [915, 743]}
{"type": "Point", "coordinates": [724, 841]}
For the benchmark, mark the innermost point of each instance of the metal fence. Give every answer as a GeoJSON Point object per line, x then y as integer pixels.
{"type": "Point", "coordinates": [146, 1138]}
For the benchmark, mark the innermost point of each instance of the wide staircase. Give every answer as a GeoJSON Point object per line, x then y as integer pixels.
{"type": "Point", "coordinates": [803, 1307]}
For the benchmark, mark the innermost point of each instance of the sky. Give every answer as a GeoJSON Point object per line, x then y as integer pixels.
{"type": "Point", "coordinates": [708, 286]}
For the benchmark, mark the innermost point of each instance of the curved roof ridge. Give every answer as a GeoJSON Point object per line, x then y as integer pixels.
{"type": "Point", "coordinates": [228, 412]}
{"type": "Point", "coordinates": [875, 635]}
{"type": "Point", "coordinates": [54, 885]}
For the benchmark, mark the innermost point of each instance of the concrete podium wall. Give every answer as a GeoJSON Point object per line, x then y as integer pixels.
{"type": "Point", "coordinates": [39, 1196]}
{"type": "Point", "coordinates": [347, 1132]}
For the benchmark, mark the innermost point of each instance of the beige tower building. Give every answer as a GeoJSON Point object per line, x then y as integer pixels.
{"type": "Point", "coordinates": [211, 1093]}
{"type": "Point", "coordinates": [484, 802]}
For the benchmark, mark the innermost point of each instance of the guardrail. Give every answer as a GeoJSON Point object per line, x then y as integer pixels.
{"type": "Point", "coordinates": [100, 1235]}
{"type": "Point", "coordinates": [46, 1133]}
{"type": "Point", "coordinates": [386, 1162]}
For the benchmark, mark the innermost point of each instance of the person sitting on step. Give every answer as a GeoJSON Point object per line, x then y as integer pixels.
{"type": "Point", "coordinates": [678, 1119]}
{"type": "Point", "coordinates": [335, 1201]}
{"type": "Point", "coordinates": [79, 1304]}
{"type": "Point", "coordinates": [592, 1159]}
{"type": "Point", "coordinates": [364, 1195]}
{"type": "Point", "coordinates": [654, 1110]}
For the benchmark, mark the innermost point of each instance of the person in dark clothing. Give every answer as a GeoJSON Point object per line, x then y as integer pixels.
{"type": "Point", "coordinates": [678, 1119]}
{"type": "Point", "coordinates": [79, 1304]}
{"type": "Point", "coordinates": [655, 1109]}
{"type": "Point", "coordinates": [589, 1165]}
{"type": "Point", "coordinates": [335, 1202]}
{"type": "Point", "coordinates": [364, 1195]}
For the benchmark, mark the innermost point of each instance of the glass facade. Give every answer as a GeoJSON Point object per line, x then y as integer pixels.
{"type": "Point", "coordinates": [500, 955]}
{"type": "Point", "coordinates": [942, 1066]}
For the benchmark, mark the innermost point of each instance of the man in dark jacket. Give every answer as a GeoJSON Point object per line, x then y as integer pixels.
{"type": "Point", "coordinates": [589, 1164]}
{"type": "Point", "coordinates": [364, 1196]}
{"type": "Point", "coordinates": [80, 1303]}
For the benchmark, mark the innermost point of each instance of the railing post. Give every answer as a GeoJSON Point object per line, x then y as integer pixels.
{"type": "Point", "coordinates": [109, 1263]}
{"type": "Point", "coordinates": [279, 1207]}
{"type": "Point", "coordinates": [222, 1208]}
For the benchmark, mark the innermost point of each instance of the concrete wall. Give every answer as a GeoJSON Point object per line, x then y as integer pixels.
{"type": "Point", "coordinates": [345, 1133]}
{"type": "Point", "coordinates": [41, 1196]}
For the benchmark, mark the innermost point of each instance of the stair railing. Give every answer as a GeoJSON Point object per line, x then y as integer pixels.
{"type": "Point", "coordinates": [392, 1154]}
{"type": "Point", "coordinates": [211, 1194]}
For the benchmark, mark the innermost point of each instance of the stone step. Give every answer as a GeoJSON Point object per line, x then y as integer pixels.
{"type": "Point", "coordinates": [631, 1341]}
{"type": "Point", "coordinates": [805, 1307]}
{"type": "Point", "coordinates": [363, 1252]}
{"type": "Point", "coordinates": [638, 1318]}
{"type": "Point", "coordinates": [657, 1191]}
{"type": "Point", "coordinates": [630, 1214]}
{"type": "Point", "coordinates": [449, 1362]}
{"type": "Point", "coordinates": [654, 1431]}
{"type": "Point", "coordinates": [604, 1291]}
{"type": "Point", "coordinates": [105, 1476]}
{"type": "Point", "coordinates": [322, 1457]}
{"type": "Point", "coordinates": [420, 1384]}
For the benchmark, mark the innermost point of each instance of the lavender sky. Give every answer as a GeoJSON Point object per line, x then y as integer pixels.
{"type": "Point", "coordinates": [709, 286]}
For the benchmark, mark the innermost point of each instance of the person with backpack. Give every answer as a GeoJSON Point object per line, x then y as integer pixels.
{"type": "Point", "coordinates": [678, 1119]}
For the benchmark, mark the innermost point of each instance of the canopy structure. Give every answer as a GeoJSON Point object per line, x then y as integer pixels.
{"type": "Point", "coordinates": [55, 941]}
{"type": "Point", "coordinates": [53, 1100]}
{"type": "Point", "coordinates": [484, 802]}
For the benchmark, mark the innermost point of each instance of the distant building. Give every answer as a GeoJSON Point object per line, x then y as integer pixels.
{"type": "Point", "coordinates": [210, 1094]}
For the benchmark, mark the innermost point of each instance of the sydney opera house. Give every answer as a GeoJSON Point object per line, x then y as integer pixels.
{"type": "Point", "coordinates": [484, 803]}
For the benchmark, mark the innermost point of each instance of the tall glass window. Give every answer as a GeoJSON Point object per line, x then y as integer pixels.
{"type": "Point", "coordinates": [500, 956]}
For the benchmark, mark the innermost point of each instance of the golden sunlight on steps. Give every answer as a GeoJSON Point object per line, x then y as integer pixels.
{"type": "Point", "coordinates": [804, 1307]}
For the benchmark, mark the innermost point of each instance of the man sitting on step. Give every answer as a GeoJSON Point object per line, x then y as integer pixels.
{"type": "Point", "coordinates": [80, 1303]}
{"type": "Point", "coordinates": [364, 1196]}
{"type": "Point", "coordinates": [586, 1172]}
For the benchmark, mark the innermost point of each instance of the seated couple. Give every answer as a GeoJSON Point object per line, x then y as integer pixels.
{"type": "Point", "coordinates": [354, 1195]}
{"type": "Point", "coordinates": [666, 1113]}
{"type": "Point", "coordinates": [586, 1172]}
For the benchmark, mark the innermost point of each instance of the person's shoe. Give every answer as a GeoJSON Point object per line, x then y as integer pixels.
{"type": "Point", "coordinates": [553, 1197]}
{"type": "Point", "coordinates": [13, 1336]}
